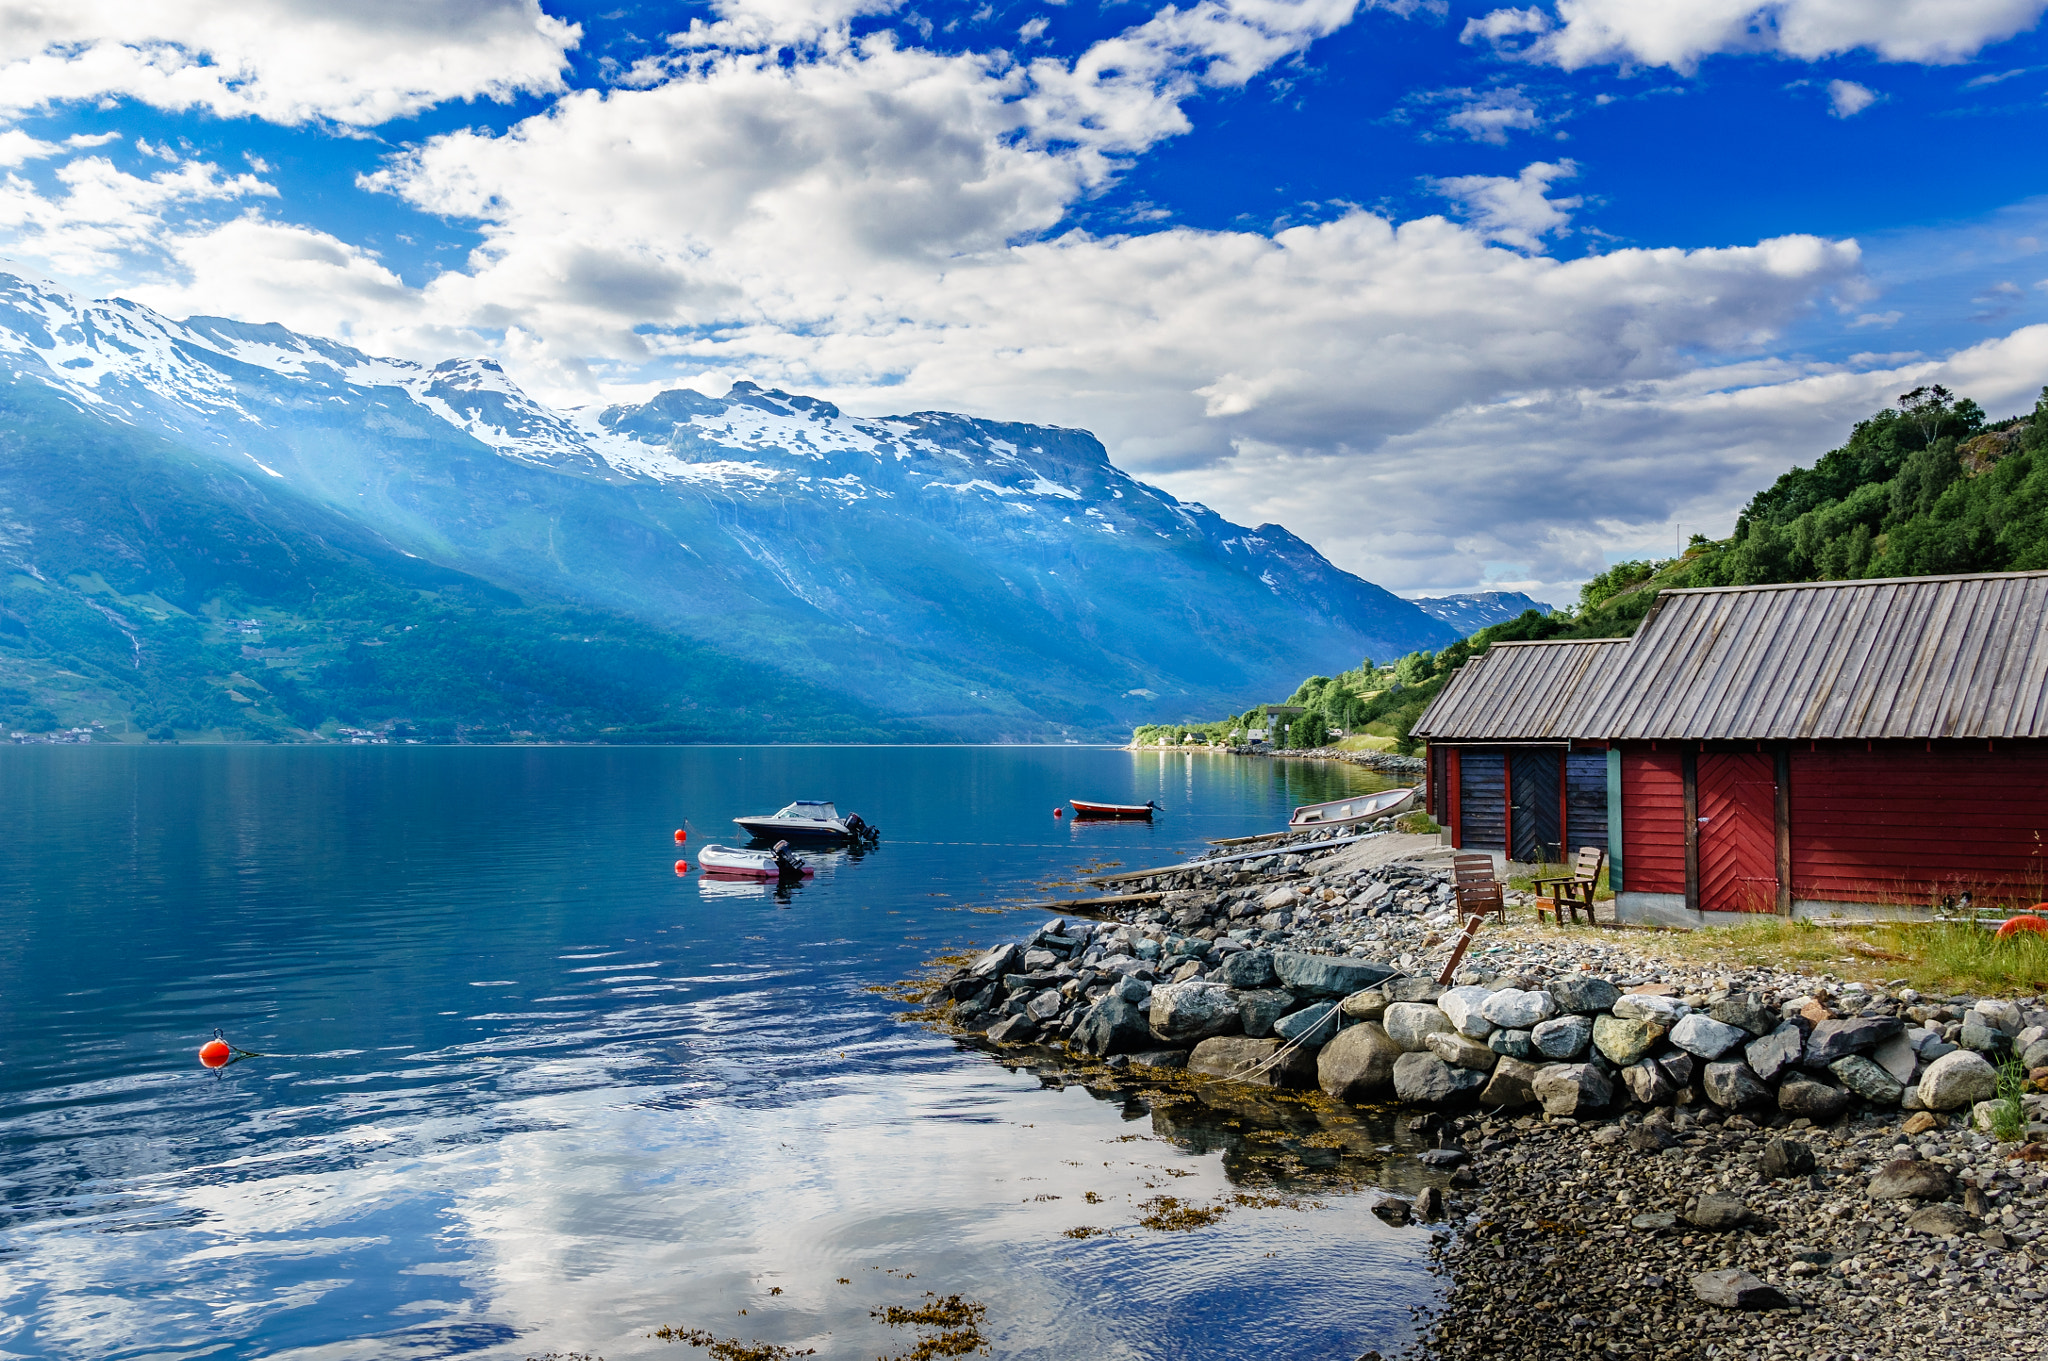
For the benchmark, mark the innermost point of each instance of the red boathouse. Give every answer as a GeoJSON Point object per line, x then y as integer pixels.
{"type": "Point", "coordinates": [1814, 748]}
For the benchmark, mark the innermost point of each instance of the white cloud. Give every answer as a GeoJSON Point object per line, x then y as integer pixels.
{"type": "Point", "coordinates": [1492, 115]}
{"type": "Point", "coordinates": [1680, 33]}
{"type": "Point", "coordinates": [1515, 211]}
{"type": "Point", "coordinates": [105, 218]}
{"type": "Point", "coordinates": [288, 61]}
{"type": "Point", "coordinates": [1846, 98]}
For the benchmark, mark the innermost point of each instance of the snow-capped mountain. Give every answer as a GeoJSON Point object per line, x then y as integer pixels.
{"type": "Point", "coordinates": [1470, 613]}
{"type": "Point", "coordinates": [997, 578]}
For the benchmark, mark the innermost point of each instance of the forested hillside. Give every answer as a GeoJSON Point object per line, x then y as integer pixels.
{"type": "Point", "coordinates": [1928, 487]}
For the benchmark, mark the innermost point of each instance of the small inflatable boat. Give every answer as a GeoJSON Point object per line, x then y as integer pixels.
{"type": "Point", "coordinates": [745, 863]}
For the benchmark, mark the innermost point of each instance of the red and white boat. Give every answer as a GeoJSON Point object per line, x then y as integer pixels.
{"type": "Point", "coordinates": [738, 862]}
{"type": "Point", "coordinates": [1084, 808]}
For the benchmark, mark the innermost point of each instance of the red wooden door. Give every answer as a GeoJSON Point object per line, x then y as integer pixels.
{"type": "Point", "coordinates": [1738, 803]}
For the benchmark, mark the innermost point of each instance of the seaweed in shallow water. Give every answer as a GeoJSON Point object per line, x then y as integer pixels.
{"type": "Point", "coordinates": [731, 1348]}
{"type": "Point", "coordinates": [959, 1320]}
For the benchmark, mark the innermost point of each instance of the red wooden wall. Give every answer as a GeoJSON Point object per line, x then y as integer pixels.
{"type": "Point", "coordinates": [1652, 821]}
{"type": "Point", "coordinates": [1738, 847]}
{"type": "Point", "coordinates": [1901, 823]}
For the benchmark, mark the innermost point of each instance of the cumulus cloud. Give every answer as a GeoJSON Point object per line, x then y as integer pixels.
{"type": "Point", "coordinates": [1846, 98]}
{"type": "Point", "coordinates": [1680, 33]}
{"type": "Point", "coordinates": [104, 217]}
{"type": "Point", "coordinates": [1490, 115]}
{"type": "Point", "coordinates": [288, 61]}
{"type": "Point", "coordinates": [1516, 211]}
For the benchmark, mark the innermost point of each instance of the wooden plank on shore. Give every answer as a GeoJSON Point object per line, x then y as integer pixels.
{"type": "Point", "coordinates": [1076, 904]}
{"type": "Point", "coordinates": [1248, 840]}
{"type": "Point", "coordinates": [1308, 848]}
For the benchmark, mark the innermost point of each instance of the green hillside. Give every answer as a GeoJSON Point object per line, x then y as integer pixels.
{"type": "Point", "coordinates": [1929, 487]}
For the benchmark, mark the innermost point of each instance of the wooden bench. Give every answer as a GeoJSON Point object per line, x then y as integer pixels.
{"type": "Point", "coordinates": [1476, 888]}
{"type": "Point", "coordinates": [1573, 893]}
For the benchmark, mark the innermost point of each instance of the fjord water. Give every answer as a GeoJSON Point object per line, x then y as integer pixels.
{"type": "Point", "coordinates": [524, 1090]}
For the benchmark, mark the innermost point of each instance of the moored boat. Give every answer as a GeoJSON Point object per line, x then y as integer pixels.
{"type": "Point", "coordinates": [746, 862]}
{"type": "Point", "coordinates": [810, 820]}
{"type": "Point", "coordinates": [1363, 808]}
{"type": "Point", "coordinates": [1086, 808]}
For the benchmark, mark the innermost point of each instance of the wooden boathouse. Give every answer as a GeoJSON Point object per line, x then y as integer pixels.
{"type": "Point", "coordinates": [1805, 749]}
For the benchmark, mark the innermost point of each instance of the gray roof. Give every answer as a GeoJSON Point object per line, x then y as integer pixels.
{"type": "Point", "coordinates": [1915, 657]}
{"type": "Point", "coordinates": [1519, 692]}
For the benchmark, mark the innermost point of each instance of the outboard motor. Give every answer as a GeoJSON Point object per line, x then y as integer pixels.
{"type": "Point", "coordinates": [862, 834]}
{"type": "Point", "coordinates": [785, 861]}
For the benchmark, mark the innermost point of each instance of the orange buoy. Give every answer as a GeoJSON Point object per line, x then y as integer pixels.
{"type": "Point", "coordinates": [215, 1053]}
{"type": "Point", "coordinates": [682, 867]}
{"type": "Point", "coordinates": [682, 834]}
{"type": "Point", "coordinates": [2025, 922]}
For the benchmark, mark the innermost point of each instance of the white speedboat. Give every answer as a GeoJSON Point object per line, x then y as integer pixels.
{"type": "Point", "coordinates": [745, 862]}
{"type": "Point", "coordinates": [811, 820]}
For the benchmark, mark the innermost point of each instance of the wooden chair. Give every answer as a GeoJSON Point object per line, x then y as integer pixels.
{"type": "Point", "coordinates": [1476, 888]}
{"type": "Point", "coordinates": [1573, 893]}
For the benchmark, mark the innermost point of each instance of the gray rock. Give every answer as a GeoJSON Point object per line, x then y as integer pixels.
{"type": "Point", "coordinates": [1832, 1040]}
{"type": "Point", "coordinates": [1784, 1157]}
{"type": "Point", "coordinates": [1803, 1094]}
{"type": "Point", "coordinates": [1656, 1221]}
{"type": "Point", "coordinates": [1428, 1080]}
{"type": "Point", "coordinates": [1259, 1008]}
{"type": "Point", "coordinates": [1584, 994]}
{"type": "Point", "coordinates": [1462, 1006]}
{"type": "Point", "coordinates": [1911, 1179]}
{"type": "Point", "coordinates": [1981, 1038]}
{"type": "Point", "coordinates": [1513, 1009]}
{"type": "Point", "coordinates": [1775, 1052]}
{"type": "Point", "coordinates": [1412, 990]}
{"type": "Point", "coordinates": [1897, 1057]}
{"type": "Point", "coordinates": [1248, 969]}
{"type": "Point", "coordinates": [1358, 1065]}
{"type": "Point", "coordinates": [1868, 1079]}
{"type": "Point", "coordinates": [1563, 1038]}
{"type": "Point", "coordinates": [1957, 1080]}
{"type": "Point", "coordinates": [1315, 1026]}
{"type": "Point", "coordinates": [1747, 1012]}
{"type": "Point", "coordinates": [2035, 1056]}
{"type": "Point", "coordinates": [1730, 1085]}
{"type": "Point", "coordinates": [1429, 1204]}
{"type": "Point", "coordinates": [2000, 1014]}
{"type": "Point", "coordinates": [1394, 1210]}
{"type": "Point", "coordinates": [1704, 1037]}
{"type": "Point", "coordinates": [1112, 1026]}
{"type": "Point", "coordinates": [1640, 1007]}
{"type": "Point", "coordinates": [1940, 1221]}
{"type": "Point", "coordinates": [1326, 975]}
{"type": "Point", "coordinates": [1678, 1066]}
{"type": "Point", "coordinates": [1183, 1013]}
{"type": "Point", "coordinates": [1164, 1059]}
{"type": "Point", "coordinates": [1045, 1006]}
{"type": "Point", "coordinates": [1004, 959]}
{"type": "Point", "coordinates": [1731, 1287]}
{"type": "Point", "coordinates": [1716, 1210]}
{"type": "Point", "coordinates": [1461, 1051]}
{"type": "Point", "coordinates": [1572, 1088]}
{"type": "Point", "coordinates": [1445, 1157]}
{"type": "Point", "coordinates": [1648, 1083]}
{"type": "Point", "coordinates": [1407, 1023]}
{"type": "Point", "coordinates": [1369, 1005]}
{"type": "Point", "coordinates": [1512, 1083]}
{"type": "Point", "coordinates": [1013, 1029]}
{"type": "Point", "coordinates": [1251, 1061]}
{"type": "Point", "coordinates": [1624, 1041]}
{"type": "Point", "coordinates": [1516, 1044]}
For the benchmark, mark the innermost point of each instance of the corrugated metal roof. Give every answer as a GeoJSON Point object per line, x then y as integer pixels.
{"type": "Point", "coordinates": [1917, 657]}
{"type": "Point", "coordinates": [1519, 692]}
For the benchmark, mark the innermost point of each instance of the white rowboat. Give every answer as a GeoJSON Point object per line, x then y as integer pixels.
{"type": "Point", "coordinates": [1364, 808]}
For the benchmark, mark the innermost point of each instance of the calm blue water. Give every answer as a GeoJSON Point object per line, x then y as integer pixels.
{"type": "Point", "coordinates": [526, 1090]}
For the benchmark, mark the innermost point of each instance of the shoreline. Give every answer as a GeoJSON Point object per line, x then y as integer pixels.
{"type": "Point", "coordinates": [1704, 1158]}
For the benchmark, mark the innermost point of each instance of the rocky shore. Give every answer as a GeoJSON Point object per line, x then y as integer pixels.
{"type": "Point", "coordinates": [1637, 1156]}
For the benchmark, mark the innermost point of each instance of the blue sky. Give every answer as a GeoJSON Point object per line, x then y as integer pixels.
{"type": "Point", "coordinates": [1467, 294]}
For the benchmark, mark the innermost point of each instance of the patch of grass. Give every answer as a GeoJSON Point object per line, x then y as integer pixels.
{"type": "Point", "coordinates": [1929, 956]}
{"type": "Point", "coordinates": [1417, 823]}
{"type": "Point", "coordinates": [2009, 1117]}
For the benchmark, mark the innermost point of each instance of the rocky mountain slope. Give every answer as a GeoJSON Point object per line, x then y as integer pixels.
{"type": "Point", "coordinates": [1470, 613]}
{"type": "Point", "coordinates": [972, 577]}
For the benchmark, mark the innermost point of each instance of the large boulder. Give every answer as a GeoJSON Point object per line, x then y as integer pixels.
{"type": "Point", "coordinates": [1258, 1009]}
{"type": "Point", "coordinates": [1868, 1079]}
{"type": "Point", "coordinates": [1428, 1080]}
{"type": "Point", "coordinates": [1646, 1007]}
{"type": "Point", "coordinates": [1512, 1084]}
{"type": "Point", "coordinates": [1624, 1040]}
{"type": "Point", "coordinates": [1461, 1051]}
{"type": "Point", "coordinates": [1516, 1044]}
{"type": "Point", "coordinates": [1359, 1064]}
{"type": "Point", "coordinates": [1897, 1057]}
{"type": "Point", "coordinates": [1247, 969]}
{"type": "Point", "coordinates": [1413, 989]}
{"type": "Point", "coordinates": [1572, 1088]}
{"type": "Point", "coordinates": [1369, 1005]}
{"type": "Point", "coordinates": [1747, 1011]}
{"type": "Point", "coordinates": [1016, 1029]}
{"type": "Point", "coordinates": [1957, 1080]}
{"type": "Point", "coordinates": [1801, 1093]}
{"type": "Point", "coordinates": [1832, 1040]}
{"type": "Point", "coordinates": [1247, 1060]}
{"type": "Point", "coordinates": [1648, 1083]}
{"type": "Point", "coordinates": [1584, 995]}
{"type": "Point", "coordinates": [1513, 1009]}
{"type": "Point", "coordinates": [1313, 1026]}
{"type": "Point", "coordinates": [1327, 975]}
{"type": "Point", "coordinates": [1462, 1006]}
{"type": "Point", "coordinates": [1408, 1023]}
{"type": "Point", "coordinates": [1704, 1037]}
{"type": "Point", "coordinates": [1730, 1084]}
{"type": "Point", "coordinates": [1775, 1052]}
{"type": "Point", "coordinates": [1562, 1038]}
{"type": "Point", "coordinates": [1112, 1026]}
{"type": "Point", "coordinates": [1184, 1013]}
{"type": "Point", "coordinates": [999, 961]}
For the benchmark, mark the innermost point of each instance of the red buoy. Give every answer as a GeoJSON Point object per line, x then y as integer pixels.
{"type": "Point", "coordinates": [215, 1053]}
{"type": "Point", "coordinates": [682, 835]}
{"type": "Point", "coordinates": [1059, 812]}
{"type": "Point", "coordinates": [682, 867]}
{"type": "Point", "coordinates": [2025, 922]}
